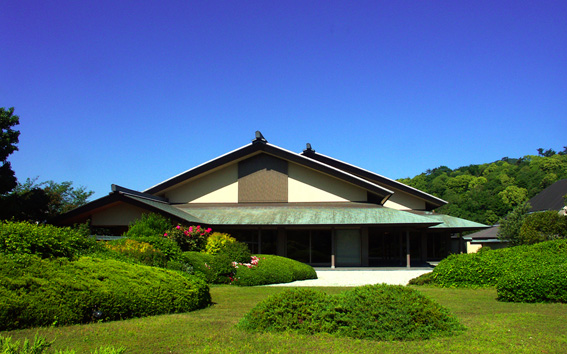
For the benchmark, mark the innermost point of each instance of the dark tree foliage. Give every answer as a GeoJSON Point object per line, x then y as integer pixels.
{"type": "Point", "coordinates": [487, 192]}
{"type": "Point", "coordinates": [8, 140]}
{"type": "Point", "coordinates": [40, 202]}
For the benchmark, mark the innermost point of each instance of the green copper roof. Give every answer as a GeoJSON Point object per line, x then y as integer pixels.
{"type": "Point", "coordinates": [307, 214]}
{"type": "Point", "coordinates": [167, 208]}
{"type": "Point", "coordinates": [451, 222]}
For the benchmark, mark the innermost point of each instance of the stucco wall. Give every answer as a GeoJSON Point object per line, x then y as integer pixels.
{"type": "Point", "coordinates": [120, 214]}
{"type": "Point", "coordinates": [217, 187]}
{"type": "Point", "coordinates": [305, 185]}
{"type": "Point", "coordinates": [403, 201]}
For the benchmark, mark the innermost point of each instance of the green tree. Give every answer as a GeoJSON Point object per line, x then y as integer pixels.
{"type": "Point", "coordinates": [40, 202]}
{"type": "Point", "coordinates": [511, 225]}
{"type": "Point", "coordinates": [543, 226]}
{"type": "Point", "coordinates": [8, 140]}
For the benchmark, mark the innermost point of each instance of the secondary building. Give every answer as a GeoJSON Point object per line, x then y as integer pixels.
{"type": "Point", "coordinates": [306, 206]}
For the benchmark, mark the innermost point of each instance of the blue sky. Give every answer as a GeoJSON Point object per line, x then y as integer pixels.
{"type": "Point", "coordinates": [134, 92]}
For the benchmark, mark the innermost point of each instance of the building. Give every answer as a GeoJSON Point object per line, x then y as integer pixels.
{"type": "Point", "coordinates": [305, 206]}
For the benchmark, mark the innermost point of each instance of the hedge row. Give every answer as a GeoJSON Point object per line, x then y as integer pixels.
{"type": "Point", "coordinates": [487, 267]}
{"type": "Point", "coordinates": [538, 284]}
{"type": "Point", "coordinates": [37, 292]}
{"type": "Point", "coordinates": [378, 312]}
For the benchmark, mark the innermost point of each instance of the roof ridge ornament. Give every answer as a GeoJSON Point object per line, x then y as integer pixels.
{"type": "Point", "coordinates": [259, 138]}
{"type": "Point", "coordinates": [308, 148]}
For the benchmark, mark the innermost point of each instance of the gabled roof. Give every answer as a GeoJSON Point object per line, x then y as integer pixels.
{"type": "Point", "coordinates": [260, 145]}
{"type": "Point", "coordinates": [432, 201]}
{"type": "Point", "coordinates": [127, 196]}
{"type": "Point", "coordinates": [550, 198]}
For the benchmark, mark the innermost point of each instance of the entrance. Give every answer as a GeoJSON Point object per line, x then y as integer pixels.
{"type": "Point", "coordinates": [348, 248]}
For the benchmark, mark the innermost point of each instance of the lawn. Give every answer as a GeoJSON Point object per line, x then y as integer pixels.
{"type": "Point", "coordinates": [493, 327]}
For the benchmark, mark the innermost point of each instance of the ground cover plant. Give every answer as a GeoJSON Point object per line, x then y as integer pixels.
{"type": "Point", "coordinates": [378, 312]}
{"type": "Point", "coordinates": [492, 327]}
{"type": "Point", "coordinates": [40, 346]}
{"type": "Point", "coordinates": [40, 292]}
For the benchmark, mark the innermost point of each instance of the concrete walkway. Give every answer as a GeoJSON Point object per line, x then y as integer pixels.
{"type": "Point", "coordinates": [360, 276]}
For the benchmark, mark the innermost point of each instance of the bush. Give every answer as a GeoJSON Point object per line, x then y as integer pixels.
{"type": "Point", "coordinates": [273, 269]}
{"type": "Point", "coordinates": [217, 241]}
{"type": "Point", "coordinates": [44, 240]}
{"type": "Point", "coordinates": [424, 279]}
{"type": "Point", "coordinates": [149, 225]}
{"type": "Point", "coordinates": [167, 247]}
{"type": "Point", "coordinates": [379, 312]}
{"type": "Point", "coordinates": [192, 238]}
{"type": "Point", "coordinates": [538, 284]}
{"type": "Point", "coordinates": [543, 226]}
{"type": "Point", "coordinates": [487, 267]}
{"type": "Point", "coordinates": [36, 292]}
{"type": "Point", "coordinates": [201, 264]}
{"type": "Point", "coordinates": [138, 251]}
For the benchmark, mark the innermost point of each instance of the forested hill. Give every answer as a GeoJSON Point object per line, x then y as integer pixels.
{"type": "Point", "coordinates": [487, 192]}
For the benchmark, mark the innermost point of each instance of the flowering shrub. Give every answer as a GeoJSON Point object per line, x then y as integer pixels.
{"type": "Point", "coordinates": [192, 238]}
{"type": "Point", "coordinates": [143, 252]}
{"type": "Point", "coordinates": [253, 262]}
{"type": "Point", "coordinates": [217, 241]}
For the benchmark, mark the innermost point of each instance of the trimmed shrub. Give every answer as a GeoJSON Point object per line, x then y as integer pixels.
{"type": "Point", "coordinates": [36, 292]}
{"type": "Point", "coordinates": [273, 269]}
{"type": "Point", "coordinates": [148, 225]}
{"type": "Point", "coordinates": [201, 264]}
{"type": "Point", "coordinates": [538, 284]}
{"type": "Point", "coordinates": [167, 247]}
{"type": "Point", "coordinates": [424, 279]}
{"type": "Point", "coordinates": [487, 267]}
{"type": "Point", "coordinates": [46, 241]}
{"type": "Point", "coordinates": [217, 241]}
{"type": "Point", "coordinates": [138, 251]}
{"type": "Point", "coordinates": [378, 312]}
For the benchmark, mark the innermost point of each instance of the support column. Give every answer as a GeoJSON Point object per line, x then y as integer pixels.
{"type": "Point", "coordinates": [408, 260]}
{"type": "Point", "coordinates": [460, 242]}
{"type": "Point", "coordinates": [333, 248]}
{"type": "Point", "coordinates": [259, 241]}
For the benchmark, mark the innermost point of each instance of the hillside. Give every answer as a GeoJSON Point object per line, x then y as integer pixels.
{"type": "Point", "coordinates": [487, 192]}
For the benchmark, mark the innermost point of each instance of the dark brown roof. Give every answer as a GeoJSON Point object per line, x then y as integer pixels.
{"type": "Point", "coordinates": [550, 198]}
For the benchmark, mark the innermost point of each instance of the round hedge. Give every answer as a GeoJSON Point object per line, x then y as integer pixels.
{"type": "Point", "coordinates": [36, 292]}
{"type": "Point", "coordinates": [273, 269]}
{"type": "Point", "coordinates": [378, 312]}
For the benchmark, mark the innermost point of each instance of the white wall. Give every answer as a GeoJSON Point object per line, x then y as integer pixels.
{"type": "Point", "coordinates": [306, 185]}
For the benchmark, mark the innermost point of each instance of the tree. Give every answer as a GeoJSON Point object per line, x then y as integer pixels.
{"type": "Point", "coordinates": [8, 140]}
{"type": "Point", "coordinates": [511, 225]}
{"type": "Point", "coordinates": [40, 202]}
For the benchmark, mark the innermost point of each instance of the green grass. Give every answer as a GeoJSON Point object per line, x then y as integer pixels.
{"type": "Point", "coordinates": [493, 327]}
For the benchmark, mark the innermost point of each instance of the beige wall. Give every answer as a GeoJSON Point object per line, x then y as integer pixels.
{"type": "Point", "coordinates": [472, 248]}
{"type": "Point", "coordinates": [403, 201]}
{"type": "Point", "coordinates": [305, 185]}
{"type": "Point", "coordinates": [220, 186]}
{"type": "Point", "coordinates": [120, 214]}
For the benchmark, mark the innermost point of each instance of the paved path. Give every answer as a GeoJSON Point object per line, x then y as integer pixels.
{"type": "Point", "coordinates": [360, 276]}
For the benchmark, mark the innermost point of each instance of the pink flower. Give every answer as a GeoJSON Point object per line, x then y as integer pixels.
{"type": "Point", "coordinates": [165, 235]}
{"type": "Point", "coordinates": [190, 228]}
{"type": "Point", "coordinates": [198, 227]}
{"type": "Point", "coordinates": [178, 227]}
{"type": "Point", "coordinates": [209, 230]}
{"type": "Point", "coordinates": [186, 232]}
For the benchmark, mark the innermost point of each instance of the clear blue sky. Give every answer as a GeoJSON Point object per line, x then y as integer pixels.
{"type": "Point", "coordinates": [134, 92]}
